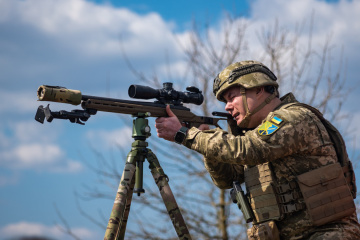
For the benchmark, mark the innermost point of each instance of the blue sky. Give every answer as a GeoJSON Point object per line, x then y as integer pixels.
{"type": "Point", "coordinates": [75, 43]}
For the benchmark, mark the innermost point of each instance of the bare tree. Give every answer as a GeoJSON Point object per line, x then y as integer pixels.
{"type": "Point", "coordinates": [300, 67]}
{"type": "Point", "coordinates": [31, 238]}
{"type": "Point", "coordinates": [311, 74]}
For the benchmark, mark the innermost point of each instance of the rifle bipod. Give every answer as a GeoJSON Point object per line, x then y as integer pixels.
{"type": "Point", "coordinates": [133, 176]}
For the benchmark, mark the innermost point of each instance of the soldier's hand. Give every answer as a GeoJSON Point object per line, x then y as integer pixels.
{"type": "Point", "coordinates": [203, 127]}
{"type": "Point", "coordinates": [166, 127]}
{"type": "Point", "coordinates": [233, 128]}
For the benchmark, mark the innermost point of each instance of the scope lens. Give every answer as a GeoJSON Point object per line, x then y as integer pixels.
{"type": "Point", "coordinates": [132, 91]}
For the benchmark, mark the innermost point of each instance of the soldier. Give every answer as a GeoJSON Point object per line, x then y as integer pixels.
{"type": "Point", "coordinates": [299, 180]}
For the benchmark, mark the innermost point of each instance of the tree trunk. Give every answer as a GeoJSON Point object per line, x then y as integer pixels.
{"type": "Point", "coordinates": [222, 216]}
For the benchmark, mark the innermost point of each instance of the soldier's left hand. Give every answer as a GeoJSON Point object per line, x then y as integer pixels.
{"type": "Point", "coordinates": [166, 127]}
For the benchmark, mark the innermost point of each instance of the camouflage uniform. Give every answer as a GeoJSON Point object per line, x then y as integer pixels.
{"type": "Point", "coordinates": [300, 144]}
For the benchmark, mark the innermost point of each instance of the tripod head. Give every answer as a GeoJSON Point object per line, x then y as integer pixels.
{"type": "Point", "coordinates": [141, 129]}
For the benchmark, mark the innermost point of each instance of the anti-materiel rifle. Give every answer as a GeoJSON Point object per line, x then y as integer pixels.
{"type": "Point", "coordinates": [92, 104]}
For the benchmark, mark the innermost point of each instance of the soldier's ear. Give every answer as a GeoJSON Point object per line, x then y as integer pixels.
{"type": "Point", "coordinates": [259, 90]}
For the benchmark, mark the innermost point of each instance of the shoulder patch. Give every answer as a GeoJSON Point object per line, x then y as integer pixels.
{"type": "Point", "coordinates": [276, 120]}
{"type": "Point", "coordinates": [268, 128]}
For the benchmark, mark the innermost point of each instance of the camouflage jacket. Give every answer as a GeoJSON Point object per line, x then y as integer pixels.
{"type": "Point", "coordinates": [299, 144]}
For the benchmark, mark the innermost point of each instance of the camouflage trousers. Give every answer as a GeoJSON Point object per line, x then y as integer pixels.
{"type": "Point", "coordinates": [336, 234]}
{"type": "Point", "coordinates": [348, 229]}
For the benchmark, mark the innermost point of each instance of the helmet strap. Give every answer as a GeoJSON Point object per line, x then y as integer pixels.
{"type": "Point", "coordinates": [245, 122]}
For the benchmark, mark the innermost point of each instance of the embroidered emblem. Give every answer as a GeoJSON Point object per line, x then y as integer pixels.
{"type": "Point", "coordinates": [267, 128]}
{"type": "Point", "coordinates": [276, 120]}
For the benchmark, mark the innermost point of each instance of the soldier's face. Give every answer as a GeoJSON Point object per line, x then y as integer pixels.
{"type": "Point", "coordinates": [234, 102]}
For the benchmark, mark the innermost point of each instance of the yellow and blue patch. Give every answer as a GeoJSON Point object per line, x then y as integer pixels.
{"type": "Point", "coordinates": [276, 120]}
{"type": "Point", "coordinates": [267, 128]}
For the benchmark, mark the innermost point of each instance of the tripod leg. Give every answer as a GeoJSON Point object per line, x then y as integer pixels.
{"type": "Point", "coordinates": [121, 233]}
{"type": "Point", "coordinates": [118, 209]}
{"type": "Point", "coordinates": [168, 197]}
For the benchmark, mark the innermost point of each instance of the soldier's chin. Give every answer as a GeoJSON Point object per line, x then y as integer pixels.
{"type": "Point", "coordinates": [238, 122]}
{"type": "Point", "coordinates": [249, 126]}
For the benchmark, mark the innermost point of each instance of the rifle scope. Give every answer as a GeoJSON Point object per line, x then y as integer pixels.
{"type": "Point", "coordinates": [167, 95]}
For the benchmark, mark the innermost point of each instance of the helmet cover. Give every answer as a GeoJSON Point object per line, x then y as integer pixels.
{"type": "Point", "coordinates": [247, 74]}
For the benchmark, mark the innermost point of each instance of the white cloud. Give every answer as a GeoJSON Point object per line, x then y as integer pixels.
{"type": "Point", "coordinates": [96, 29]}
{"type": "Point", "coordinates": [34, 154]}
{"type": "Point", "coordinates": [31, 229]}
{"type": "Point", "coordinates": [38, 156]}
{"type": "Point", "coordinates": [340, 19]}
{"type": "Point", "coordinates": [27, 148]}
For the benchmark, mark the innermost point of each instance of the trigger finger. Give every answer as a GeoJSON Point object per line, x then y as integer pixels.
{"type": "Point", "coordinates": [159, 120]}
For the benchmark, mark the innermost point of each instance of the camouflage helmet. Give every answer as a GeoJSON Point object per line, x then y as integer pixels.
{"type": "Point", "coordinates": [248, 74]}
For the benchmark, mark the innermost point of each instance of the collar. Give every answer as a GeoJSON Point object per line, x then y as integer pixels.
{"type": "Point", "coordinates": [286, 99]}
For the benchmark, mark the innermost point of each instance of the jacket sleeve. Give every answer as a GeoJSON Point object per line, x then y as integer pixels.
{"type": "Point", "coordinates": [223, 174]}
{"type": "Point", "coordinates": [297, 131]}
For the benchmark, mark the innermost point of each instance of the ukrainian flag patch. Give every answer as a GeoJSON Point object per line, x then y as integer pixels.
{"type": "Point", "coordinates": [267, 128]}
{"type": "Point", "coordinates": [276, 120]}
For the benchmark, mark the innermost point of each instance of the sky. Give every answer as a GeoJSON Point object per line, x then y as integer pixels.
{"type": "Point", "coordinates": [78, 44]}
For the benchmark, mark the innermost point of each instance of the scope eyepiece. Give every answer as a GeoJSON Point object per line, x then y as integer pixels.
{"type": "Point", "coordinates": [167, 95]}
{"type": "Point", "coordinates": [195, 98]}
